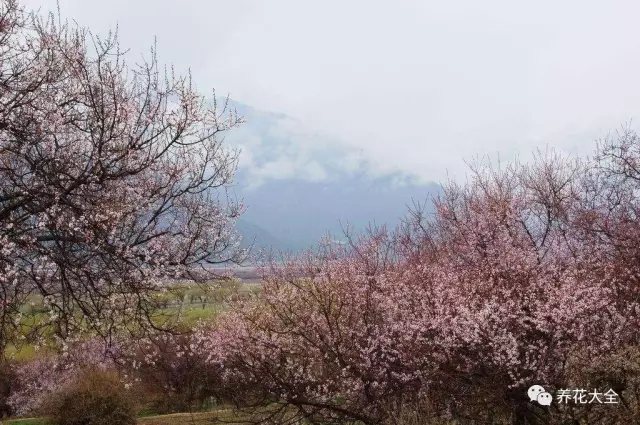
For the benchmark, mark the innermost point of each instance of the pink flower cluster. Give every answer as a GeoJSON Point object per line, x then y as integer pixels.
{"type": "Point", "coordinates": [516, 275]}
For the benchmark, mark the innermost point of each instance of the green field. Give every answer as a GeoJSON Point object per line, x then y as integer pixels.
{"type": "Point", "coordinates": [189, 303]}
{"type": "Point", "coordinates": [183, 304]}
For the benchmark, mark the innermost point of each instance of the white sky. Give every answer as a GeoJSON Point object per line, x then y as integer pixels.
{"type": "Point", "coordinates": [412, 86]}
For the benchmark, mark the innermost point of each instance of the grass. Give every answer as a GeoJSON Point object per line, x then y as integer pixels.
{"type": "Point", "coordinates": [220, 416]}
{"type": "Point", "coordinates": [25, 421]}
{"type": "Point", "coordinates": [176, 418]}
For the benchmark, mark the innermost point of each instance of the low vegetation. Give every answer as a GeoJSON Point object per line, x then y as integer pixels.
{"type": "Point", "coordinates": [93, 397]}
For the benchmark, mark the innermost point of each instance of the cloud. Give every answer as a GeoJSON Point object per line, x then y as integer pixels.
{"type": "Point", "coordinates": [412, 86]}
{"type": "Point", "coordinates": [278, 147]}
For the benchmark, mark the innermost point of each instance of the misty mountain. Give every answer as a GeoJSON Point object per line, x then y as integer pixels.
{"type": "Point", "coordinates": [298, 186]}
{"type": "Point", "coordinates": [256, 236]}
{"type": "Point", "coordinates": [293, 214]}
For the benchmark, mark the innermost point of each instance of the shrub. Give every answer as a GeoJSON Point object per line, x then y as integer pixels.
{"type": "Point", "coordinates": [36, 379]}
{"type": "Point", "coordinates": [94, 398]}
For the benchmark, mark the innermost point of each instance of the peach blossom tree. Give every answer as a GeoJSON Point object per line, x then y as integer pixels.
{"type": "Point", "coordinates": [517, 276]}
{"type": "Point", "coordinates": [112, 178]}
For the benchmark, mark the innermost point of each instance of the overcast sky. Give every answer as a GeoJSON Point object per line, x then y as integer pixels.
{"type": "Point", "coordinates": [410, 86]}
